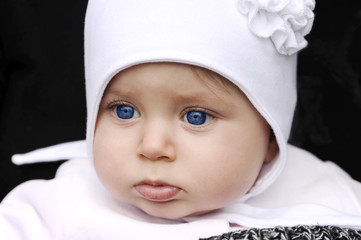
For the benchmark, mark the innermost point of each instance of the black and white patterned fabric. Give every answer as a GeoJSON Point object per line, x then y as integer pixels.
{"type": "Point", "coordinates": [303, 232]}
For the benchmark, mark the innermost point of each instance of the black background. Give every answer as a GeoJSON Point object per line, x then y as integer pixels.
{"type": "Point", "coordinates": [42, 96]}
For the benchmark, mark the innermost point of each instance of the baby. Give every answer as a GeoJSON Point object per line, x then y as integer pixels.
{"type": "Point", "coordinates": [176, 140]}
{"type": "Point", "coordinates": [190, 105]}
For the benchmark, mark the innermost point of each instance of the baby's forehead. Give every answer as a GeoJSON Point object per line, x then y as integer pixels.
{"type": "Point", "coordinates": [212, 80]}
{"type": "Point", "coordinates": [215, 80]}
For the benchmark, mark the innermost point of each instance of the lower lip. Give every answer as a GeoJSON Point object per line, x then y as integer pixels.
{"type": "Point", "coordinates": [157, 192]}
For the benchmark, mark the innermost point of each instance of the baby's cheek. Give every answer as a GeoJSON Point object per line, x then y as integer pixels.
{"type": "Point", "coordinates": [231, 190]}
{"type": "Point", "coordinates": [103, 163]}
{"type": "Point", "coordinates": [110, 179]}
{"type": "Point", "coordinates": [231, 181]}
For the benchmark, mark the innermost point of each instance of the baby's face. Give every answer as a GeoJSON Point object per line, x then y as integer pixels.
{"type": "Point", "coordinates": [176, 145]}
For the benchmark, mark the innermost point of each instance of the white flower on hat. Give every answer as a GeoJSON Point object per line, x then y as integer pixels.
{"type": "Point", "coordinates": [285, 22]}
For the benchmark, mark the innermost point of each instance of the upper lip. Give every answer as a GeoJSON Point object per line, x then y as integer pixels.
{"type": "Point", "coordinates": [155, 183]}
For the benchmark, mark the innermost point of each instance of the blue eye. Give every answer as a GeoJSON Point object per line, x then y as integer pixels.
{"type": "Point", "coordinates": [126, 112]}
{"type": "Point", "coordinates": [197, 117]}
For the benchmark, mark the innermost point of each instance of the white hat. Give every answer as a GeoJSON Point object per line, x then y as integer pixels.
{"type": "Point", "coordinates": [250, 42]}
{"type": "Point", "coordinates": [253, 43]}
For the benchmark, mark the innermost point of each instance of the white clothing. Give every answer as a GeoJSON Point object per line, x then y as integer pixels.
{"type": "Point", "coordinates": [74, 205]}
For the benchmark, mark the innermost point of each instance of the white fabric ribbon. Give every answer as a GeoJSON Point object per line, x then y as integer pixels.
{"type": "Point", "coordinates": [62, 151]}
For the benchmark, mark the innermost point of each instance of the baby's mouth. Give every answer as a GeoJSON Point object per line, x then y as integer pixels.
{"type": "Point", "coordinates": [157, 191]}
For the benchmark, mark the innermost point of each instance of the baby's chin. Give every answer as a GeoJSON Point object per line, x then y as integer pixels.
{"type": "Point", "coordinates": [176, 215]}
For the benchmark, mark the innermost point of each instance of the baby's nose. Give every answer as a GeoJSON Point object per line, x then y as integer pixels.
{"type": "Point", "coordinates": [156, 142]}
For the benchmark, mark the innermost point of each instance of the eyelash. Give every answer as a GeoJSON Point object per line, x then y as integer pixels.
{"type": "Point", "coordinates": [113, 104]}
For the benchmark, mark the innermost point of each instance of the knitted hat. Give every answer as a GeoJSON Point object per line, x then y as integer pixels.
{"type": "Point", "coordinates": [250, 42]}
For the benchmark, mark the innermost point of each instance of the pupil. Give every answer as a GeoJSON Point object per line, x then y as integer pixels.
{"type": "Point", "coordinates": [196, 118]}
{"type": "Point", "coordinates": [125, 112]}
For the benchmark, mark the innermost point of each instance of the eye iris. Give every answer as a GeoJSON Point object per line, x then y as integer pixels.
{"type": "Point", "coordinates": [196, 117]}
{"type": "Point", "coordinates": [124, 112]}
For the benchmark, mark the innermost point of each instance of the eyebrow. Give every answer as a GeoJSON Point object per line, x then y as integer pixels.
{"type": "Point", "coordinates": [194, 96]}
{"type": "Point", "coordinates": [199, 96]}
